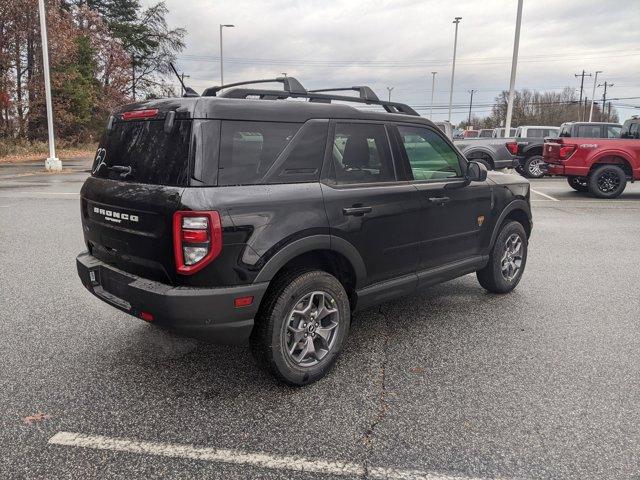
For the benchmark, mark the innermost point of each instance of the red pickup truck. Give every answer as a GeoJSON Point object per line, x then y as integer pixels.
{"type": "Point", "coordinates": [596, 165]}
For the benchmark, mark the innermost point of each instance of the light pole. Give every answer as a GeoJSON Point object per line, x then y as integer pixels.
{"type": "Point", "coordinates": [593, 94]}
{"type": "Point", "coordinates": [52, 163]}
{"type": "Point", "coordinates": [389, 90]}
{"type": "Point", "coordinates": [221, 60]}
{"type": "Point", "coordinates": [433, 87]}
{"type": "Point", "coordinates": [514, 66]}
{"type": "Point", "coordinates": [453, 67]}
{"type": "Point", "coordinates": [470, 104]}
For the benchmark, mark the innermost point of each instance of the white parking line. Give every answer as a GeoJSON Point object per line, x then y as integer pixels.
{"type": "Point", "coordinates": [545, 195]}
{"type": "Point", "coordinates": [238, 457]}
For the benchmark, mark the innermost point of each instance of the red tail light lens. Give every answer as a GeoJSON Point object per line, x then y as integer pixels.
{"type": "Point", "coordinates": [197, 240]}
{"type": "Point", "coordinates": [512, 147]}
{"type": "Point", "coordinates": [140, 114]}
{"type": "Point", "coordinates": [566, 152]}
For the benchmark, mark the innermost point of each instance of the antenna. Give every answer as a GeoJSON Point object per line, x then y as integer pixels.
{"type": "Point", "coordinates": [188, 91]}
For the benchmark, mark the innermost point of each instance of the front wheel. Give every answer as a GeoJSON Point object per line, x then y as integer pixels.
{"type": "Point", "coordinates": [507, 260]}
{"type": "Point", "coordinates": [301, 326]}
{"type": "Point", "coordinates": [579, 184]}
{"type": "Point", "coordinates": [607, 181]}
{"type": "Point", "coordinates": [533, 167]}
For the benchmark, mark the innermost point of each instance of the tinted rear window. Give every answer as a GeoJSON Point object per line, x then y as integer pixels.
{"type": "Point", "coordinates": [141, 151]}
{"type": "Point", "coordinates": [248, 149]}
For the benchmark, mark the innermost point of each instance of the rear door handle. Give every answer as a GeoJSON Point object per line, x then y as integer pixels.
{"type": "Point", "coordinates": [439, 200]}
{"type": "Point", "coordinates": [356, 211]}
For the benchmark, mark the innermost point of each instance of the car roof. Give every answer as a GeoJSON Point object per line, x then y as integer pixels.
{"type": "Point", "coordinates": [297, 111]}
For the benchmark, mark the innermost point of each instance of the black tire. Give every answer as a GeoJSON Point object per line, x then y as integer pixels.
{"type": "Point", "coordinates": [271, 334]}
{"type": "Point", "coordinates": [579, 184]}
{"type": "Point", "coordinates": [491, 277]}
{"type": "Point", "coordinates": [607, 181]}
{"type": "Point", "coordinates": [531, 167]}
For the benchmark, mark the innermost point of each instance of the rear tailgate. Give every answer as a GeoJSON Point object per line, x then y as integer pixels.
{"type": "Point", "coordinates": [551, 151]}
{"type": "Point", "coordinates": [139, 175]}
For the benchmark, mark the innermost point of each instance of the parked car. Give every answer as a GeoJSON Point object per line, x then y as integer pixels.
{"type": "Point", "coordinates": [446, 128]}
{"type": "Point", "coordinates": [590, 130]}
{"type": "Point", "coordinates": [471, 134]}
{"type": "Point", "coordinates": [530, 140]}
{"type": "Point", "coordinates": [493, 153]}
{"type": "Point", "coordinates": [240, 216]}
{"type": "Point", "coordinates": [499, 132]}
{"type": "Point", "coordinates": [631, 128]}
{"type": "Point", "coordinates": [599, 166]}
{"type": "Point", "coordinates": [486, 133]}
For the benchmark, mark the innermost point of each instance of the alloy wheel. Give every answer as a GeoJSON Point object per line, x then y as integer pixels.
{"type": "Point", "coordinates": [535, 168]}
{"type": "Point", "coordinates": [511, 260]}
{"type": "Point", "coordinates": [311, 328]}
{"type": "Point", "coordinates": [608, 182]}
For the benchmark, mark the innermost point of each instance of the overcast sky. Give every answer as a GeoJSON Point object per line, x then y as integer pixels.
{"type": "Point", "coordinates": [398, 43]}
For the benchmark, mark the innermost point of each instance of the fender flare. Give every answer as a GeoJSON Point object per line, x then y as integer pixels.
{"type": "Point", "coordinates": [528, 150]}
{"type": "Point", "coordinates": [614, 153]}
{"type": "Point", "coordinates": [309, 244]}
{"type": "Point", "coordinates": [517, 204]}
{"type": "Point", "coordinates": [473, 149]}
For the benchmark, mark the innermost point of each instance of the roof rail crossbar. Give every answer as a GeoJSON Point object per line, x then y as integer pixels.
{"type": "Point", "coordinates": [366, 93]}
{"type": "Point", "coordinates": [317, 97]}
{"type": "Point", "coordinates": [291, 85]}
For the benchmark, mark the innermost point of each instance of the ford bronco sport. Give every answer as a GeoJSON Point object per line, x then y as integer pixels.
{"type": "Point", "coordinates": [246, 216]}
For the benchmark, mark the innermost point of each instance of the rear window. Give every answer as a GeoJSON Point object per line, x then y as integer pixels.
{"type": "Point", "coordinates": [141, 151]}
{"type": "Point", "coordinates": [249, 149]}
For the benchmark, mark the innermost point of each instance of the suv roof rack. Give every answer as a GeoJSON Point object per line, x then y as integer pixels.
{"type": "Point", "coordinates": [294, 89]}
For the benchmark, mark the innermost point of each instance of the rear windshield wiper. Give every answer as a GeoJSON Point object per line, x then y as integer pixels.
{"type": "Point", "coordinates": [124, 171]}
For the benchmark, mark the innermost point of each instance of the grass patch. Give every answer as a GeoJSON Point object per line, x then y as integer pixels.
{"type": "Point", "coordinates": [22, 150]}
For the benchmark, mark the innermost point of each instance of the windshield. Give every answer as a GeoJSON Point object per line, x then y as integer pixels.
{"type": "Point", "coordinates": [142, 152]}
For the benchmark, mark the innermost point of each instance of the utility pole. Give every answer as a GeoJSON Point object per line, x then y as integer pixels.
{"type": "Point", "coordinates": [183, 76]}
{"type": "Point", "coordinates": [470, 105]}
{"type": "Point", "coordinates": [514, 65]}
{"type": "Point", "coordinates": [433, 87]}
{"type": "Point", "coordinates": [389, 90]}
{"type": "Point", "coordinates": [609, 112]}
{"type": "Point", "coordinates": [52, 164]}
{"type": "Point", "coordinates": [581, 75]}
{"type": "Point", "coordinates": [221, 61]}
{"type": "Point", "coordinates": [593, 94]}
{"type": "Point", "coordinates": [604, 96]}
{"type": "Point", "coordinates": [453, 66]}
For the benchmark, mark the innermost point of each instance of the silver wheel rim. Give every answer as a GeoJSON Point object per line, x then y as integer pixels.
{"type": "Point", "coordinates": [534, 168]}
{"type": "Point", "coordinates": [511, 261]}
{"type": "Point", "coordinates": [311, 328]}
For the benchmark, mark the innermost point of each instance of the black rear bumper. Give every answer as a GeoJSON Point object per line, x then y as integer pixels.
{"type": "Point", "coordinates": [205, 313]}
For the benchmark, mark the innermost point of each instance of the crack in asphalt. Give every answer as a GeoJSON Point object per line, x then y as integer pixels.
{"type": "Point", "coordinates": [383, 406]}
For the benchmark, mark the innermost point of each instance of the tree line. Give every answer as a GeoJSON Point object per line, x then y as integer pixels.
{"type": "Point", "coordinates": [102, 53]}
{"type": "Point", "coordinates": [532, 107]}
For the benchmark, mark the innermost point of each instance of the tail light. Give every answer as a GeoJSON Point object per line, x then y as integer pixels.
{"type": "Point", "coordinates": [197, 240]}
{"type": "Point", "coordinates": [566, 151]}
{"type": "Point", "coordinates": [512, 147]}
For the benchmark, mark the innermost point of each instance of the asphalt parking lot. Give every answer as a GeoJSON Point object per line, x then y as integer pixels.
{"type": "Point", "coordinates": [456, 383]}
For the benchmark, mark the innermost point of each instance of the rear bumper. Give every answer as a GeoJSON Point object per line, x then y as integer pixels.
{"type": "Point", "coordinates": [566, 170]}
{"type": "Point", "coordinates": [205, 313]}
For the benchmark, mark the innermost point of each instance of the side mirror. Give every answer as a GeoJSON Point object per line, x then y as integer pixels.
{"type": "Point", "coordinates": [476, 172]}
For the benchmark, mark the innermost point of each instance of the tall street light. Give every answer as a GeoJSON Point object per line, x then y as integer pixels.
{"type": "Point", "coordinates": [52, 163]}
{"type": "Point", "coordinates": [453, 67]}
{"type": "Point", "coordinates": [221, 60]}
{"type": "Point", "coordinates": [433, 87]}
{"type": "Point", "coordinates": [389, 89]}
{"type": "Point", "coordinates": [593, 94]}
{"type": "Point", "coordinates": [514, 66]}
{"type": "Point", "coordinates": [470, 105]}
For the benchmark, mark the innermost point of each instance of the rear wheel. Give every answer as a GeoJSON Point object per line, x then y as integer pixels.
{"type": "Point", "coordinates": [507, 259]}
{"type": "Point", "coordinates": [607, 181]}
{"type": "Point", "coordinates": [533, 166]}
{"type": "Point", "coordinates": [579, 184]}
{"type": "Point", "coordinates": [301, 326]}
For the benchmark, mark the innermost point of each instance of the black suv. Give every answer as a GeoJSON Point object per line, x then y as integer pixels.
{"type": "Point", "coordinates": [248, 215]}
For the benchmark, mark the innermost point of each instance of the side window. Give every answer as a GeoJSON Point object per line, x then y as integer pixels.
{"type": "Point", "coordinates": [248, 149]}
{"type": "Point", "coordinates": [302, 160]}
{"type": "Point", "coordinates": [634, 129]}
{"type": "Point", "coordinates": [613, 131]}
{"type": "Point", "coordinates": [589, 131]}
{"type": "Point", "coordinates": [361, 154]}
{"type": "Point", "coordinates": [430, 156]}
{"type": "Point", "coordinates": [535, 133]}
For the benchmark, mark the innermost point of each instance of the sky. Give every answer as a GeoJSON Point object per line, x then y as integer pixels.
{"type": "Point", "coordinates": [339, 43]}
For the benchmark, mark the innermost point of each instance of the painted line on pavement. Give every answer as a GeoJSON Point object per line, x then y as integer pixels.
{"type": "Point", "coordinates": [239, 457]}
{"type": "Point", "coordinates": [545, 195]}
